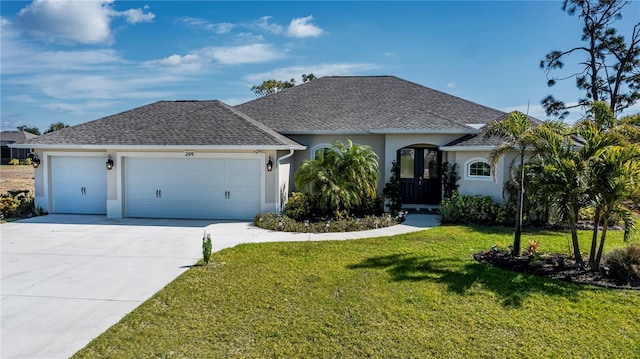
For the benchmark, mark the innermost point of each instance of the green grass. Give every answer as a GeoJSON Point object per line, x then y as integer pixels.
{"type": "Point", "coordinates": [411, 296]}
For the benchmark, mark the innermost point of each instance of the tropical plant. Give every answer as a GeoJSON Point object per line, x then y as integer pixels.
{"type": "Point", "coordinates": [518, 135]}
{"type": "Point", "coordinates": [391, 190]}
{"type": "Point", "coordinates": [206, 248]}
{"type": "Point", "coordinates": [613, 176]}
{"type": "Point", "coordinates": [450, 178]}
{"type": "Point", "coordinates": [342, 177]}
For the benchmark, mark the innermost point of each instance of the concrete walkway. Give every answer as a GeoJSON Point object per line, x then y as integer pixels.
{"type": "Point", "coordinates": [65, 279]}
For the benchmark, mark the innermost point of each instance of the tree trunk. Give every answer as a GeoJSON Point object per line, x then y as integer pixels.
{"type": "Point", "coordinates": [574, 238]}
{"type": "Point", "coordinates": [517, 237]}
{"type": "Point", "coordinates": [594, 239]}
{"type": "Point", "coordinates": [603, 236]}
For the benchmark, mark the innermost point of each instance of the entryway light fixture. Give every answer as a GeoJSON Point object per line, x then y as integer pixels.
{"type": "Point", "coordinates": [109, 163]}
{"type": "Point", "coordinates": [269, 165]}
{"type": "Point", "coordinates": [35, 161]}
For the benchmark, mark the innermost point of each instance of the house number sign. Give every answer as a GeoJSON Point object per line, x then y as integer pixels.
{"type": "Point", "coordinates": [189, 153]}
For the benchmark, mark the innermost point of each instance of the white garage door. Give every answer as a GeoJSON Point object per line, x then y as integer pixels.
{"type": "Point", "coordinates": [192, 188]}
{"type": "Point", "coordinates": [79, 185]}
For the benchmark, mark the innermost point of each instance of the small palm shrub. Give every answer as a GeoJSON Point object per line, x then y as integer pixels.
{"type": "Point", "coordinates": [624, 264]}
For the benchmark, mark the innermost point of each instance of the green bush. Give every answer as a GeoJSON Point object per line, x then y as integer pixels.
{"type": "Point", "coordinates": [624, 264]}
{"type": "Point", "coordinates": [206, 248]}
{"type": "Point", "coordinates": [466, 209]}
{"type": "Point", "coordinates": [27, 162]}
{"type": "Point", "coordinates": [369, 207]}
{"type": "Point", "coordinates": [450, 178]}
{"type": "Point", "coordinates": [391, 190]}
{"type": "Point", "coordinates": [298, 206]}
{"type": "Point", "coordinates": [14, 161]}
{"type": "Point", "coordinates": [18, 203]}
{"type": "Point", "coordinates": [275, 222]}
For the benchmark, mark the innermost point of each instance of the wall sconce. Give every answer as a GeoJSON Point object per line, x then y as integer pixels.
{"type": "Point", "coordinates": [35, 161]}
{"type": "Point", "coordinates": [109, 163]}
{"type": "Point", "coordinates": [269, 165]}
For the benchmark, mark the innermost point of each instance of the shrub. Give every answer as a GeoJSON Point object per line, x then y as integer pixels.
{"type": "Point", "coordinates": [466, 209]}
{"type": "Point", "coordinates": [206, 248]}
{"type": "Point", "coordinates": [624, 264]}
{"type": "Point", "coordinates": [298, 206]}
{"type": "Point", "coordinates": [368, 207]}
{"type": "Point", "coordinates": [450, 178]}
{"type": "Point", "coordinates": [275, 222]}
{"type": "Point", "coordinates": [391, 190]}
{"type": "Point", "coordinates": [27, 162]}
{"type": "Point", "coordinates": [14, 161]}
{"type": "Point", "coordinates": [18, 203]}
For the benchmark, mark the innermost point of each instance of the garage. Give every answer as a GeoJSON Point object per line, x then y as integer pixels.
{"type": "Point", "coordinates": [79, 185]}
{"type": "Point", "coordinates": [194, 188]}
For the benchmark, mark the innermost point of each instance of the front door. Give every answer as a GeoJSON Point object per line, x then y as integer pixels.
{"type": "Point", "coordinates": [420, 181]}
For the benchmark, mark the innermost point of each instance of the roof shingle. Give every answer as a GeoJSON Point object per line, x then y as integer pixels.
{"type": "Point", "coordinates": [169, 123]}
{"type": "Point", "coordinates": [366, 104]}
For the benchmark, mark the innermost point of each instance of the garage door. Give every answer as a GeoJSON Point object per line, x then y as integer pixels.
{"type": "Point", "coordinates": [79, 185]}
{"type": "Point", "coordinates": [192, 188]}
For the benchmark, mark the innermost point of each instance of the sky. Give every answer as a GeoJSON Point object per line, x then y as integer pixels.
{"type": "Point", "coordinates": [77, 61]}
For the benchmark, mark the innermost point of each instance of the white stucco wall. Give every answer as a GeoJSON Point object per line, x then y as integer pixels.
{"type": "Point", "coordinates": [472, 186]}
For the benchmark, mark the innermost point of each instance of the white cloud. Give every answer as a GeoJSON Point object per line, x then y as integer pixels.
{"type": "Point", "coordinates": [180, 63]}
{"type": "Point", "coordinates": [217, 28]}
{"type": "Point", "coordinates": [72, 21]}
{"type": "Point", "coordinates": [452, 85]}
{"type": "Point", "coordinates": [301, 27]}
{"type": "Point", "coordinates": [263, 23]}
{"type": "Point", "coordinates": [134, 16]}
{"type": "Point", "coordinates": [232, 55]}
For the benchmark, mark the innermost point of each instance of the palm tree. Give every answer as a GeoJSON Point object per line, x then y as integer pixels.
{"type": "Point", "coordinates": [518, 135]}
{"type": "Point", "coordinates": [615, 176]}
{"type": "Point", "coordinates": [342, 177]}
{"type": "Point", "coordinates": [562, 177]}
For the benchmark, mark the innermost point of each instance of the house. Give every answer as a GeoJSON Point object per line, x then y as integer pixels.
{"type": "Point", "coordinates": [205, 159]}
{"type": "Point", "coordinates": [11, 137]}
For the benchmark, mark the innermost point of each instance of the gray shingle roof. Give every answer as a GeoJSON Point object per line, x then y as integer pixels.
{"type": "Point", "coordinates": [476, 140]}
{"type": "Point", "coordinates": [366, 104]}
{"type": "Point", "coordinates": [181, 123]}
{"type": "Point", "coordinates": [15, 136]}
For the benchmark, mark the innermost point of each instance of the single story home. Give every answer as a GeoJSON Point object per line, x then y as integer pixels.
{"type": "Point", "coordinates": [206, 159]}
{"type": "Point", "coordinates": [10, 137]}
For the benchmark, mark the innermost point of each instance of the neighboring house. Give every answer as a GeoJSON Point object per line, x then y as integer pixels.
{"type": "Point", "coordinates": [205, 159]}
{"type": "Point", "coordinates": [11, 137]}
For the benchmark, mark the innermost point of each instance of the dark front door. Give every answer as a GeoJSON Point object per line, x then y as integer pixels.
{"type": "Point", "coordinates": [420, 181]}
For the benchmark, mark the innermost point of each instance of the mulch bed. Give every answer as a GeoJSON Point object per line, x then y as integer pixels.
{"type": "Point", "coordinates": [557, 266]}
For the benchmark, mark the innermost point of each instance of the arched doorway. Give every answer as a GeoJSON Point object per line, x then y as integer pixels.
{"type": "Point", "coordinates": [420, 174]}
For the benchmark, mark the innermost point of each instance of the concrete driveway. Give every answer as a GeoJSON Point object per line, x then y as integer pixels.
{"type": "Point", "coordinates": [65, 279]}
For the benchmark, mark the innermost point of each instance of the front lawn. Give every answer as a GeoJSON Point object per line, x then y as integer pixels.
{"type": "Point", "coordinates": [410, 296]}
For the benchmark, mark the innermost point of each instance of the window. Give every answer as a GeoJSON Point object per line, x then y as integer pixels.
{"type": "Point", "coordinates": [478, 169]}
{"type": "Point", "coordinates": [324, 147]}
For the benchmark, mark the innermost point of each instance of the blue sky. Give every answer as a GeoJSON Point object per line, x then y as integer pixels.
{"type": "Point", "coordinates": [76, 61]}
